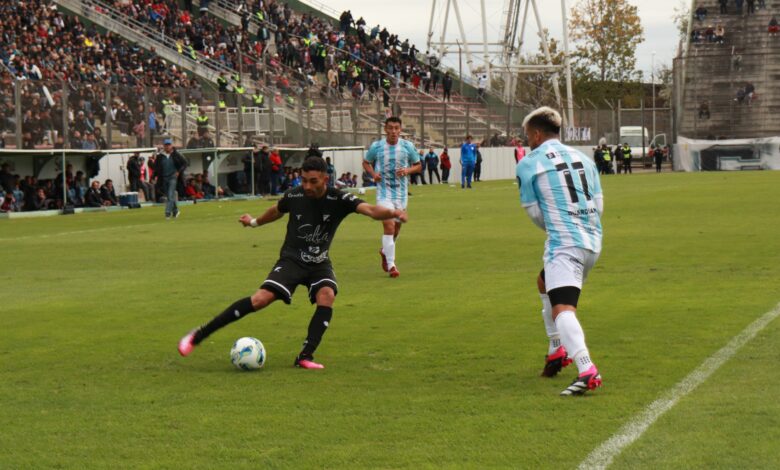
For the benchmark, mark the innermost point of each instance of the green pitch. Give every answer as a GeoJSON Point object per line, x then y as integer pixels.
{"type": "Point", "coordinates": [438, 368]}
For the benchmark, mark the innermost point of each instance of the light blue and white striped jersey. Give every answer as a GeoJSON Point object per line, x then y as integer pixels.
{"type": "Point", "coordinates": [386, 159]}
{"type": "Point", "coordinates": [565, 184]}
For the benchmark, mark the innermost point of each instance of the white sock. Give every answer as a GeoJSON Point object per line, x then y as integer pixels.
{"type": "Point", "coordinates": [573, 339]}
{"type": "Point", "coordinates": [549, 324]}
{"type": "Point", "coordinates": [388, 248]}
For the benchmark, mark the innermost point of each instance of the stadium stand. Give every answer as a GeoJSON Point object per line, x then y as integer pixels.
{"type": "Point", "coordinates": [123, 61]}
{"type": "Point", "coordinates": [730, 74]}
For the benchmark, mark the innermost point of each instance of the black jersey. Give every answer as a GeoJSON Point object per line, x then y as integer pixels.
{"type": "Point", "coordinates": [312, 223]}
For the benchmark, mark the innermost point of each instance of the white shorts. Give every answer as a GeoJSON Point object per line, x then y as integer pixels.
{"type": "Point", "coordinates": [392, 204]}
{"type": "Point", "coordinates": [569, 266]}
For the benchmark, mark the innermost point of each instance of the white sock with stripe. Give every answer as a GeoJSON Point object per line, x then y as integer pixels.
{"type": "Point", "coordinates": [549, 324]}
{"type": "Point", "coordinates": [573, 339]}
{"type": "Point", "coordinates": [388, 248]}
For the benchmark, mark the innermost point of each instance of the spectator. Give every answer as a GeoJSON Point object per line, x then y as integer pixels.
{"type": "Point", "coordinates": [720, 34]}
{"type": "Point", "coordinates": [7, 179]}
{"type": "Point", "coordinates": [751, 7]}
{"type": "Point", "coordinates": [701, 13]}
{"type": "Point", "coordinates": [100, 141]}
{"type": "Point", "coordinates": [750, 93]}
{"type": "Point", "coordinates": [108, 195]}
{"type": "Point", "coordinates": [774, 27]}
{"type": "Point", "coordinates": [447, 87]}
{"type": "Point", "coordinates": [331, 172]}
{"type": "Point", "coordinates": [209, 190]}
{"type": "Point", "coordinates": [277, 171]}
{"type": "Point", "coordinates": [191, 191]}
{"type": "Point", "coordinates": [478, 166]}
{"type": "Point", "coordinates": [354, 182]}
{"type": "Point", "coordinates": [41, 202]}
{"type": "Point", "coordinates": [723, 6]}
{"type": "Point", "coordinates": [704, 110]}
{"type": "Point", "coordinates": [432, 163]}
{"type": "Point", "coordinates": [446, 165]}
{"type": "Point", "coordinates": [9, 203]}
{"type": "Point", "coordinates": [482, 83]}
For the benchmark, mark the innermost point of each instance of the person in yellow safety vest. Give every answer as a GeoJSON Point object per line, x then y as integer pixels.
{"type": "Point", "coordinates": [607, 155]}
{"type": "Point", "coordinates": [236, 77]}
{"type": "Point", "coordinates": [193, 107]}
{"type": "Point", "coordinates": [626, 151]}
{"type": "Point", "coordinates": [167, 106]}
{"type": "Point", "coordinates": [311, 103]}
{"type": "Point", "coordinates": [179, 47]}
{"type": "Point", "coordinates": [260, 16]}
{"type": "Point", "coordinates": [222, 105]}
{"type": "Point", "coordinates": [193, 54]}
{"type": "Point", "coordinates": [290, 100]}
{"type": "Point", "coordinates": [239, 89]}
{"type": "Point", "coordinates": [202, 120]}
{"type": "Point", "coordinates": [258, 99]}
{"type": "Point", "coordinates": [222, 82]}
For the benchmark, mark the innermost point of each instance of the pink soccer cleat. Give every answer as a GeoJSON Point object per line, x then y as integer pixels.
{"type": "Point", "coordinates": [187, 343]}
{"type": "Point", "coordinates": [394, 272]}
{"type": "Point", "coordinates": [384, 261]}
{"type": "Point", "coordinates": [308, 364]}
{"type": "Point", "coordinates": [588, 380]}
{"type": "Point", "coordinates": [553, 363]}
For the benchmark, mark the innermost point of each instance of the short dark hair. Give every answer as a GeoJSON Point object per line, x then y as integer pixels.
{"type": "Point", "coordinates": [314, 164]}
{"type": "Point", "coordinates": [393, 119]}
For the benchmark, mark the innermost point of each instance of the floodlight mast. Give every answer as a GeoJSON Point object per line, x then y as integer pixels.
{"type": "Point", "coordinates": [502, 58]}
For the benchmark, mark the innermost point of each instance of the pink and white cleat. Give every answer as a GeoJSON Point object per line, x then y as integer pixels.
{"type": "Point", "coordinates": [588, 380]}
{"type": "Point", "coordinates": [304, 363]}
{"type": "Point", "coordinates": [187, 343]}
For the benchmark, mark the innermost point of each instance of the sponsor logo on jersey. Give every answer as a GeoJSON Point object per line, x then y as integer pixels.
{"type": "Point", "coordinates": [307, 258]}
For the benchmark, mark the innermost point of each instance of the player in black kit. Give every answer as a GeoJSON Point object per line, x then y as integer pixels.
{"type": "Point", "coordinates": [315, 213]}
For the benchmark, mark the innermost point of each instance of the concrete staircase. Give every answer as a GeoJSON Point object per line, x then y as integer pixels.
{"type": "Point", "coordinates": [714, 72]}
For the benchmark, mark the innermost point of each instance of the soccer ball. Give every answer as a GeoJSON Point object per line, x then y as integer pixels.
{"type": "Point", "coordinates": [362, 191]}
{"type": "Point", "coordinates": [247, 353]}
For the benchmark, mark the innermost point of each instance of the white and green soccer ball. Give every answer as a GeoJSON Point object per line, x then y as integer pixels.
{"type": "Point", "coordinates": [248, 353]}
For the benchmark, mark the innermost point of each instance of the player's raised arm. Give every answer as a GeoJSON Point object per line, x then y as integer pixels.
{"type": "Point", "coordinates": [270, 215]}
{"type": "Point", "coordinates": [381, 213]}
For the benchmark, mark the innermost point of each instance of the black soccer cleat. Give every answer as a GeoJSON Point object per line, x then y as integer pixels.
{"type": "Point", "coordinates": [589, 380]}
{"type": "Point", "coordinates": [553, 363]}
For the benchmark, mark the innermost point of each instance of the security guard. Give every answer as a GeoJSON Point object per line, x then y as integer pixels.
{"type": "Point", "coordinates": [202, 120]}
{"type": "Point", "coordinates": [258, 99]}
{"type": "Point", "coordinates": [626, 151]}
{"type": "Point", "coordinates": [607, 156]}
{"type": "Point", "coordinates": [222, 83]}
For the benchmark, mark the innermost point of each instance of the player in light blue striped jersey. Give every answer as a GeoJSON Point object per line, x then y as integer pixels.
{"type": "Point", "coordinates": [390, 161]}
{"type": "Point", "coordinates": [561, 192]}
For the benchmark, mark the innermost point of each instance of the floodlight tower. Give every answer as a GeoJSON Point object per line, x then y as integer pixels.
{"type": "Point", "coordinates": [502, 57]}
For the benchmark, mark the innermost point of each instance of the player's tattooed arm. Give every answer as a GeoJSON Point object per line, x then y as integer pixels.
{"type": "Point", "coordinates": [271, 215]}
{"type": "Point", "coordinates": [381, 213]}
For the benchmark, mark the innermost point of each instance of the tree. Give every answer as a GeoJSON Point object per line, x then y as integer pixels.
{"type": "Point", "coordinates": [681, 18]}
{"type": "Point", "coordinates": [606, 34]}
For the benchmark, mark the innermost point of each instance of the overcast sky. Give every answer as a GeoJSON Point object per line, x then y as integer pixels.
{"type": "Point", "coordinates": [409, 18]}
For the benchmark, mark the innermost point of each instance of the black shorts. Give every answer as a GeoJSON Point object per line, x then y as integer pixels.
{"type": "Point", "coordinates": [286, 275]}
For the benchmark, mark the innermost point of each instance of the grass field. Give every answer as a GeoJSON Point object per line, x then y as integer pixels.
{"type": "Point", "coordinates": [436, 369]}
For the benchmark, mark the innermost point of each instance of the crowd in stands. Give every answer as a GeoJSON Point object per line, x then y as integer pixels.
{"type": "Point", "coordinates": [44, 49]}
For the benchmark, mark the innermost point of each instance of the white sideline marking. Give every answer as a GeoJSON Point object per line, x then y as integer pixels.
{"type": "Point", "coordinates": [602, 456]}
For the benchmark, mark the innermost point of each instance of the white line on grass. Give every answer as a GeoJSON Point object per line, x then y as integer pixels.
{"type": "Point", "coordinates": [602, 456]}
